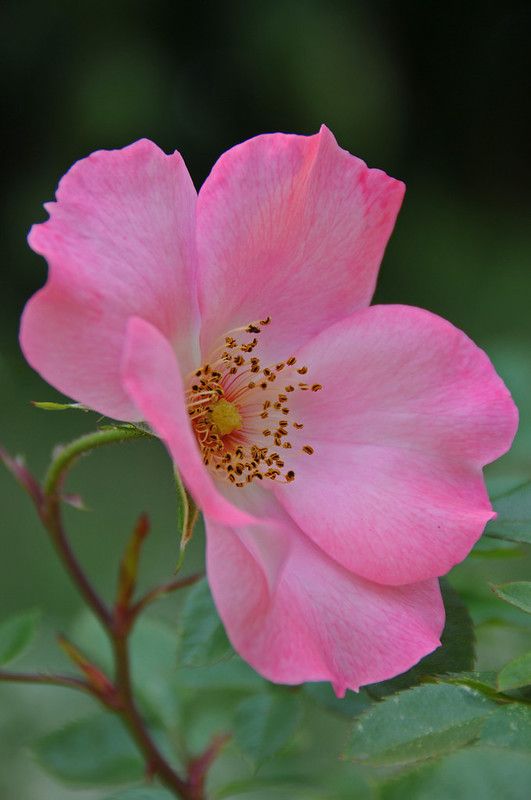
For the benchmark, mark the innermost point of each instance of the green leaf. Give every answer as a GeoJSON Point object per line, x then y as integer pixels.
{"type": "Point", "coordinates": [349, 706]}
{"type": "Point", "coordinates": [514, 516]}
{"type": "Point", "coordinates": [264, 723]}
{"type": "Point", "coordinates": [476, 773]}
{"type": "Point", "coordinates": [484, 682]}
{"type": "Point", "coordinates": [515, 674]}
{"type": "Point", "coordinates": [233, 673]}
{"type": "Point", "coordinates": [417, 724]}
{"type": "Point", "coordinates": [517, 594]}
{"type": "Point", "coordinates": [284, 783]}
{"type": "Point", "coordinates": [93, 751]}
{"type": "Point", "coordinates": [489, 547]}
{"type": "Point", "coordinates": [16, 634]}
{"type": "Point", "coordinates": [509, 726]}
{"type": "Point", "coordinates": [142, 793]}
{"type": "Point", "coordinates": [203, 637]}
{"type": "Point", "coordinates": [456, 653]}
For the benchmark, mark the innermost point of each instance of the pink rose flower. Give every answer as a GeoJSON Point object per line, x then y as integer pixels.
{"type": "Point", "coordinates": [335, 449]}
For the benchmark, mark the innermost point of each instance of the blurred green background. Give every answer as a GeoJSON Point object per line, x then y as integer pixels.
{"type": "Point", "coordinates": [435, 94]}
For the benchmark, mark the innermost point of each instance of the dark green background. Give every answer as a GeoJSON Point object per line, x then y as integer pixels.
{"type": "Point", "coordinates": [435, 94]}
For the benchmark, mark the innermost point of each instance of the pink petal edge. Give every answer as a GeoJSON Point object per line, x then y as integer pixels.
{"type": "Point", "coordinates": [317, 622]}
{"type": "Point", "coordinates": [120, 242]}
{"type": "Point", "coordinates": [410, 411]}
{"type": "Point", "coordinates": [291, 227]}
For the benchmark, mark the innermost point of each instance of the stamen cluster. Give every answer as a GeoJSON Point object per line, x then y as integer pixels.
{"type": "Point", "coordinates": [240, 416]}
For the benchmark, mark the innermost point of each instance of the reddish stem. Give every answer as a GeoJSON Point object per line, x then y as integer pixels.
{"type": "Point", "coordinates": [118, 695]}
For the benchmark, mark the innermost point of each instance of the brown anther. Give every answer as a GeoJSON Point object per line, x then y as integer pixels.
{"type": "Point", "coordinates": [290, 476]}
{"type": "Point", "coordinates": [255, 368]}
{"type": "Point", "coordinates": [289, 388]}
{"type": "Point", "coordinates": [265, 321]}
{"type": "Point", "coordinates": [252, 329]}
{"type": "Point", "coordinates": [263, 385]}
{"type": "Point", "coordinates": [233, 370]}
{"type": "Point", "coordinates": [302, 370]}
{"type": "Point", "coordinates": [303, 387]}
{"type": "Point", "coordinates": [316, 387]}
{"type": "Point", "coordinates": [280, 366]}
{"type": "Point", "coordinates": [282, 398]}
{"type": "Point", "coordinates": [264, 414]}
{"type": "Point", "coordinates": [291, 361]}
{"type": "Point", "coordinates": [266, 432]}
{"type": "Point", "coordinates": [267, 372]}
{"type": "Point", "coordinates": [239, 360]}
{"type": "Point", "coordinates": [267, 404]}
{"type": "Point", "coordinates": [251, 385]}
{"type": "Point", "coordinates": [298, 425]}
{"type": "Point", "coordinates": [287, 445]}
{"type": "Point", "coordinates": [285, 410]}
{"type": "Point", "coordinates": [308, 449]}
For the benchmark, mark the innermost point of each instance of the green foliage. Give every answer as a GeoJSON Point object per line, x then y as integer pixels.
{"type": "Point", "coordinates": [485, 773]}
{"type": "Point", "coordinates": [91, 752]}
{"type": "Point", "coordinates": [517, 594]}
{"type": "Point", "coordinates": [510, 727]}
{"type": "Point", "coordinates": [455, 654]}
{"type": "Point", "coordinates": [514, 515]}
{"type": "Point", "coordinates": [289, 785]}
{"type": "Point", "coordinates": [352, 704]}
{"type": "Point", "coordinates": [484, 682]}
{"type": "Point", "coordinates": [142, 793]}
{"type": "Point", "coordinates": [203, 639]}
{"type": "Point", "coordinates": [264, 723]}
{"type": "Point", "coordinates": [417, 724]}
{"type": "Point", "coordinates": [515, 674]}
{"type": "Point", "coordinates": [16, 634]}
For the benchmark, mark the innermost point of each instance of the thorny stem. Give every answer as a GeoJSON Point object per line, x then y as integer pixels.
{"type": "Point", "coordinates": [70, 452]}
{"type": "Point", "coordinates": [160, 591]}
{"type": "Point", "coordinates": [67, 681]}
{"type": "Point", "coordinates": [117, 625]}
{"type": "Point", "coordinates": [52, 519]}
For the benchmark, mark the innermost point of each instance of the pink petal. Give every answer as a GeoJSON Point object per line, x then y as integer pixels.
{"type": "Point", "coordinates": [152, 379]}
{"type": "Point", "coordinates": [291, 227]}
{"type": "Point", "coordinates": [119, 242]}
{"type": "Point", "coordinates": [410, 412]}
{"type": "Point", "coordinates": [317, 622]}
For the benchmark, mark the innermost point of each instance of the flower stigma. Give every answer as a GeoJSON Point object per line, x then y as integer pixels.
{"type": "Point", "coordinates": [225, 417]}
{"type": "Point", "coordinates": [240, 411]}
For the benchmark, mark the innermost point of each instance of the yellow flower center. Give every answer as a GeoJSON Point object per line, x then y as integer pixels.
{"type": "Point", "coordinates": [225, 417]}
{"type": "Point", "coordinates": [240, 411]}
